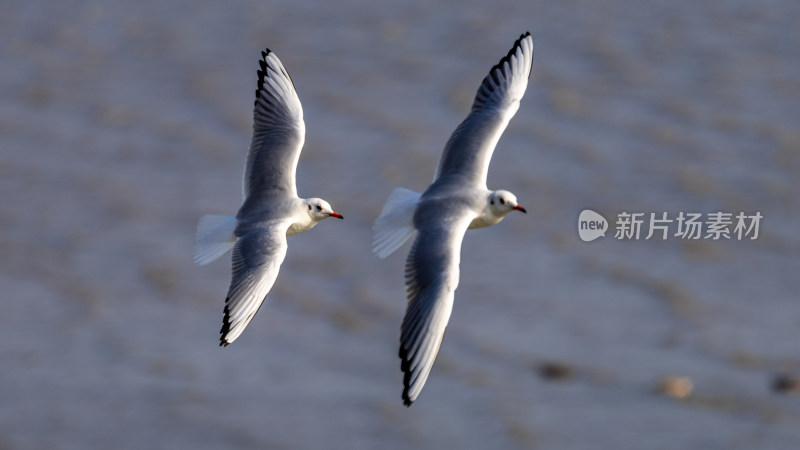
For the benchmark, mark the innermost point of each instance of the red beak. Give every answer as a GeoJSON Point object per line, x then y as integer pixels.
{"type": "Point", "coordinates": [520, 208]}
{"type": "Point", "coordinates": [337, 215]}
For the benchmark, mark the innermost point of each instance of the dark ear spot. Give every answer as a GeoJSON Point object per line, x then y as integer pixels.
{"type": "Point", "coordinates": [309, 207]}
{"type": "Point", "coordinates": [492, 202]}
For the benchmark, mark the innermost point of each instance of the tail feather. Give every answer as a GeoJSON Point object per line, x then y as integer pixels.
{"type": "Point", "coordinates": [395, 224]}
{"type": "Point", "coordinates": [214, 237]}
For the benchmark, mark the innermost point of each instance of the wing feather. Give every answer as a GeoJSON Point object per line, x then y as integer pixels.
{"type": "Point", "coordinates": [467, 153]}
{"type": "Point", "coordinates": [257, 257]}
{"type": "Point", "coordinates": [431, 279]}
{"type": "Point", "coordinates": [278, 133]}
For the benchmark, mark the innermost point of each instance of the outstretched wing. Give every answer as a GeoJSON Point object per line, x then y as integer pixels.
{"type": "Point", "coordinates": [468, 151]}
{"type": "Point", "coordinates": [257, 258]}
{"type": "Point", "coordinates": [431, 280]}
{"type": "Point", "coordinates": [278, 133]}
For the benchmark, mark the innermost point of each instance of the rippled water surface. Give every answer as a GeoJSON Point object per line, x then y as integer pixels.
{"type": "Point", "coordinates": [122, 122]}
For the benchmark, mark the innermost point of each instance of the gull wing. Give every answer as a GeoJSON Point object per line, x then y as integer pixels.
{"type": "Point", "coordinates": [466, 156]}
{"type": "Point", "coordinates": [257, 258]}
{"type": "Point", "coordinates": [278, 133]}
{"type": "Point", "coordinates": [432, 276]}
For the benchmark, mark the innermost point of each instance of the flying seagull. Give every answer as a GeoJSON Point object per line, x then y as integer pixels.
{"type": "Point", "coordinates": [271, 209]}
{"type": "Point", "coordinates": [456, 201]}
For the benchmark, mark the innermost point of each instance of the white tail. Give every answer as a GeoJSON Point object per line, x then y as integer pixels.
{"type": "Point", "coordinates": [214, 237]}
{"type": "Point", "coordinates": [396, 222]}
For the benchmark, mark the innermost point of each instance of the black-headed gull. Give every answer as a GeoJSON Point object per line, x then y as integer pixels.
{"type": "Point", "coordinates": [271, 209]}
{"type": "Point", "coordinates": [457, 200]}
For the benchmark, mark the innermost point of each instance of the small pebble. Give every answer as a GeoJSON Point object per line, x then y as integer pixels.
{"type": "Point", "coordinates": [786, 384]}
{"type": "Point", "coordinates": [553, 370]}
{"type": "Point", "coordinates": [675, 386]}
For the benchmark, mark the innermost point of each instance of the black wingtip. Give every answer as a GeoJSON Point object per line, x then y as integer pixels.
{"type": "Point", "coordinates": [513, 50]}
{"type": "Point", "coordinates": [226, 326]}
{"type": "Point", "coordinates": [263, 72]}
{"type": "Point", "coordinates": [405, 366]}
{"type": "Point", "coordinates": [486, 88]}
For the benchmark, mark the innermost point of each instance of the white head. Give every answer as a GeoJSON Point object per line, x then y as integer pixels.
{"type": "Point", "coordinates": [503, 202]}
{"type": "Point", "coordinates": [319, 209]}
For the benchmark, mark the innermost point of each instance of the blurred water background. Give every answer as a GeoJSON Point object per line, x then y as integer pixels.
{"type": "Point", "coordinates": [122, 122]}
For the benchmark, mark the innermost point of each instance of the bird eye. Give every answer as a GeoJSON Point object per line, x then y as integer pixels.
{"type": "Point", "coordinates": [502, 201]}
{"type": "Point", "coordinates": [319, 208]}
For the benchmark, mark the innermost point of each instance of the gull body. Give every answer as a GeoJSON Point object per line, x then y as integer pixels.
{"type": "Point", "coordinates": [457, 200]}
{"type": "Point", "coordinates": [271, 209]}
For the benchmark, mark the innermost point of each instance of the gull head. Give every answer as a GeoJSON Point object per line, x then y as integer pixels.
{"type": "Point", "coordinates": [503, 202]}
{"type": "Point", "coordinates": [319, 209]}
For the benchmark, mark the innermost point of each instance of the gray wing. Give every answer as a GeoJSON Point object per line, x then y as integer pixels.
{"type": "Point", "coordinates": [468, 151]}
{"type": "Point", "coordinates": [431, 279]}
{"type": "Point", "coordinates": [257, 258]}
{"type": "Point", "coordinates": [278, 133]}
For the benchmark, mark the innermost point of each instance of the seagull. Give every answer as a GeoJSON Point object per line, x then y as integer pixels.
{"type": "Point", "coordinates": [271, 209]}
{"type": "Point", "coordinates": [456, 201]}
